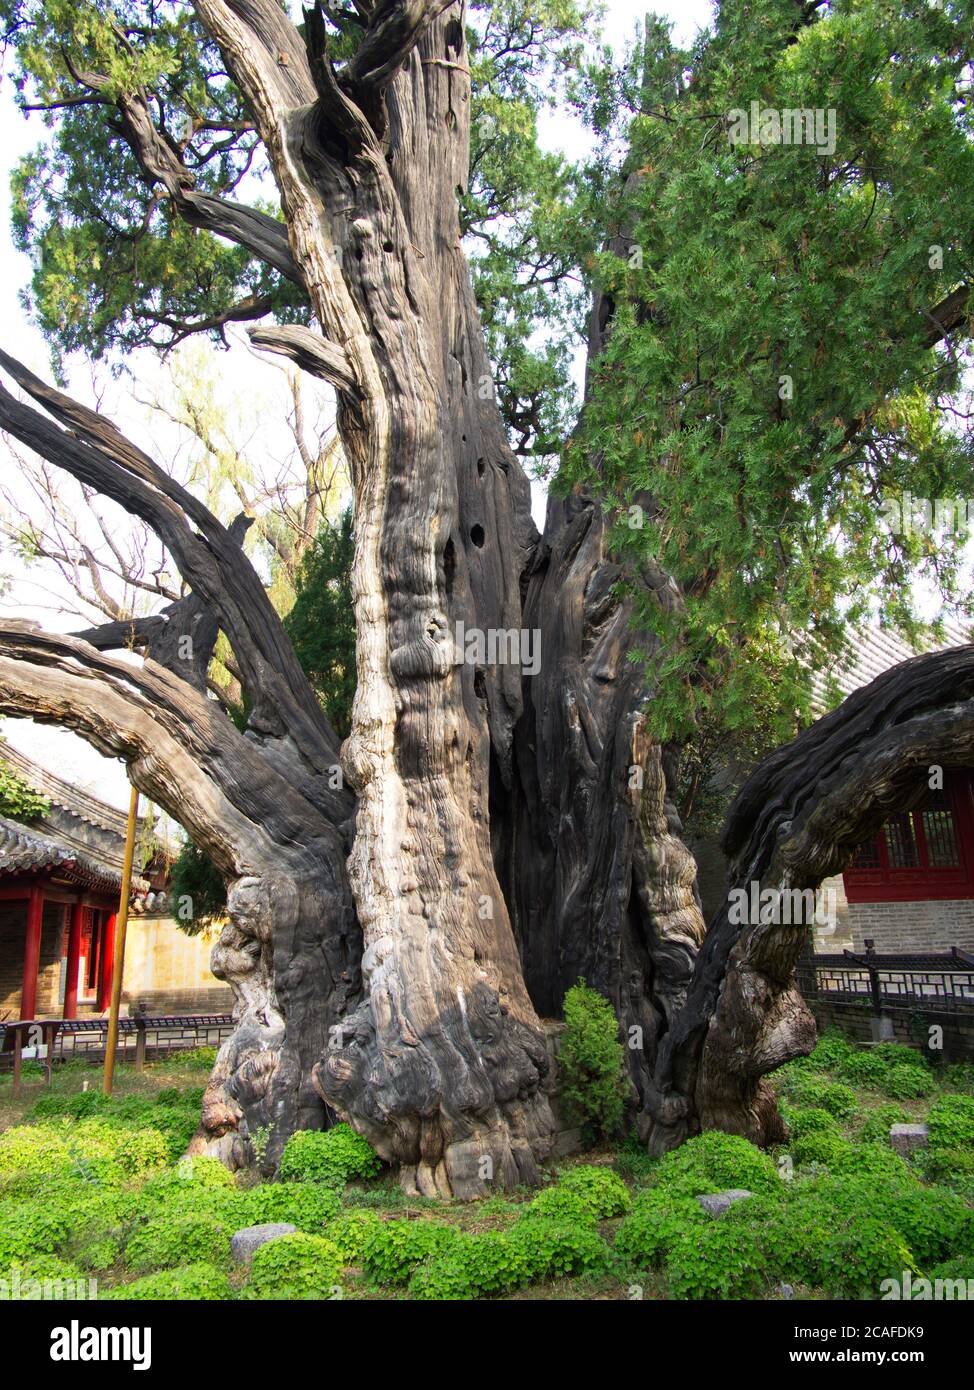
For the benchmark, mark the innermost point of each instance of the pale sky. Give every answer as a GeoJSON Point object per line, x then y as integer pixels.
{"type": "Point", "coordinates": [64, 752]}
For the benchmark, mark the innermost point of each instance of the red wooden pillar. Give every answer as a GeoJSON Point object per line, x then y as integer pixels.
{"type": "Point", "coordinates": [32, 952]}
{"type": "Point", "coordinates": [74, 960]}
{"type": "Point", "coordinates": [107, 961]}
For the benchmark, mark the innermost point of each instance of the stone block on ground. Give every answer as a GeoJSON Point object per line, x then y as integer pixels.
{"type": "Point", "coordinates": [244, 1242]}
{"type": "Point", "coordinates": [716, 1203]}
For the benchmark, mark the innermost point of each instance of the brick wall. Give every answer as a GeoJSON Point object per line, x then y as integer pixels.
{"type": "Point", "coordinates": [856, 1021]}
{"type": "Point", "coordinates": [904, 927]}
{"type": "Point", "coordinates": [13, 930]}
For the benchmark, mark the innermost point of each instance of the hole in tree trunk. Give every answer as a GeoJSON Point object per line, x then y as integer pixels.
{"type": "Point", "coordinates": [449, 567]}
{"type": "Point", "coordinates": [480, 685]}
{"type": "Point", "coordinates": [481, 465]}
{"type": "Point", "coordinates": [478, 535]}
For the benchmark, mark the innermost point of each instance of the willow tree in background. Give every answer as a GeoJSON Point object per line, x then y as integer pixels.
{"type": "Point", "coordinates": [404, 905]}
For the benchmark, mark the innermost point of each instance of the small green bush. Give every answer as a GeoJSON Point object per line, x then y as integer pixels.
{"type": "Point", "coordinates": [960, 1267]}
{"type": "Point", "coordinates": [180, 1240]}
{"type": "Point", "coordinates": [933, 1221]}
{"type": "Point", "coordinates": [559, 1204]}
{"type": "Point", "coordinates": [348, 1233]}
{"type": "Point", "coordinates": [100, 1254]}
{"type": "Point", "coordinates": [591, 1064]}
{"type": "Point", "coordinates": [90, 1149]}
{"type": "Point", "coordinates": [811, 1121]}
{"type": "Point", "coordinates": [719, 1259]}
{"type": "Point", "coordinates": [309, 1206]}
{"type": "Point", "coordinates": [856, 1259]}
{"type": "Point", "coordinates": [909, 1083]}
{"type": "Point", "coordinates": [793, 1243]}
{"type": "Point", "coordinates": [330, 1156]}
{"type": "Point", "coordinates": [830, 1052]}
{"type": "Point", "coordinates": [951, 1122]}
{"type": "Point", "coordinates": [31, 1228]}
{"type": "Point", "coordinates": [474, 1266]}
{"type": "Point", "coordinates": [198, 1058]}
{"type": "Point", "coordinates": [821, 1146]}
{"type": "Point", "coordinates": [714, 1161]}
{"type": "Point", "coordinates": [877, 1124]}
{"type": "Point", "coordinates": [601, 1190]}
{"type": "Point", "coordinates": [555, 1249]}
{"type": "Point", "coordinates": [833, 1096]}
{"type": "Point", "coordinates": [392, 1251]}
{"type": "Point", "coordinates": [946, 1164]}
{"type": "Point", "coordinates": [648, 1233]}
{"type": "Point", "coordinates": [298, 1266]}
{"type": "Point", "coordinates": [192, 1283]}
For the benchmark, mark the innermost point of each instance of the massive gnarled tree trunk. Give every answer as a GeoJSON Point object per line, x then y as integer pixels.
{"type": "Point", "coordinates": [395, 932]}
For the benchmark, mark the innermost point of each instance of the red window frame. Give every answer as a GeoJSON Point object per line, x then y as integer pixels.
{"type": "Point", "coordinates": [923, 881]}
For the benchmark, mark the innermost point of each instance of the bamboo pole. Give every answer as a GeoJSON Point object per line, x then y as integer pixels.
{"type": "Point", "coordinates": [118, 964]}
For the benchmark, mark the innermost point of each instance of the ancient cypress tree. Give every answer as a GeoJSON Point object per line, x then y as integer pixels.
{"type": "Point", "coordinates": [406, 904]}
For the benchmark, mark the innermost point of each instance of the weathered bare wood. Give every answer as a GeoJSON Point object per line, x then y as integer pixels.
{"type": "Point", "coordinates": [291, 949]}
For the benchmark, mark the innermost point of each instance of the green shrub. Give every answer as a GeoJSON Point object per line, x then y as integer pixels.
{"type": "Point", "coordinates": [718, 1259]}
{"type": "Point", "coordinates": [821, 1146]}
{"type": "Point", "coordinates": [392, 1251]}
{"type": "Point", "coordinates": [309, 1206]}
{"type": "Point", "coordinates": [909, 1083]}
{"type": "Point", "coordinates": [714, 1161]}
{"type": "Point", "coordinates": [646, 1236]}
{"type": "Point", "coordinates": [793, 1243]}
{"type": "Point", "coordinates": [856, 1259]}
{"type": "Point", "coordinates": [90, 1149]}
{"type": "Point", "coordinates": [330, 1156]}
{"type": "Point", "coordinates": [192, 1283]}
{"type": "Point", "coordinates": [31, 1228]}
{"type": "Point", "coordinates": [933, 1221]}
{"type": "Point", "coordinates": [559, 1204]}
{"type": "Point", "coordinates": [601, 1190]}
{"type": "Point", "coordinates": [555, 1249]}
{"type": "Point", "coordinates": [474, 1266]}
{"type": "Point", "coordinates": [876, 1126]}
{"type": "Point", "coordinates": [591, 1064]}
{"type": "Point", "coordinates": [951, 1122]}
{"type": "Point", "coordinates": [833, 1096]}
{"type": "Point", "coordinates": [44, 1268]}
{"type": "Point", "coordinates": [100, 1254]}
{"type": "Point", "coordinates": [348, 1233]}
{"type": "Point", "coordinates": [298, 1266]}
{"type": "Point", "coordinates": [198, 1058]}
{"type": "Point", "coordinates": [181, 1240]}
{"type": "Point", "coordinates": [946, 1164]}
{"type": "Point", "coordinates": [811, 1121]}
{"type": "Point", "coordinates": [830, 1052]}
{"type": "Point", "coordinates": [872, 1160]}
{"type": "Point", "coordinates": [960, 1267]}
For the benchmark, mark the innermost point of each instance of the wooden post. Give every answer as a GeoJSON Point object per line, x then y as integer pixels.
{"type": "Point", "coordinates": [18, 1059]}
{"type": "Point", "coordinates": [140, 1031]}
{"type": "Point", "coordinates": [74, 960]}
{"type": "Point", "coordinates": [106, 965]}
{"type": "Point", "coordinates": [50, 1033]}
{"type": "Point", "coordinates": [119, 952]}
{"type": "Point", "coordinates": [32, 952]}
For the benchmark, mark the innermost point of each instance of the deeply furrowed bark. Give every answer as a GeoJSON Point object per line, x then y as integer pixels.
{"type": "Point", "coordinates": [443, 1063]}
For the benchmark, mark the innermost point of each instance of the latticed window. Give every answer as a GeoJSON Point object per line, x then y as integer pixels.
{"type": "Point", "coordinates": [920, 854]}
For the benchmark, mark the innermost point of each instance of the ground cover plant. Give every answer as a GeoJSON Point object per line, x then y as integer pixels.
{"type": "Point", "coordinates": [93, 1189]}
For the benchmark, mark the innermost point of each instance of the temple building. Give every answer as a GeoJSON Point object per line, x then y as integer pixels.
{"type": "Point", "coordinates": [60, 884]}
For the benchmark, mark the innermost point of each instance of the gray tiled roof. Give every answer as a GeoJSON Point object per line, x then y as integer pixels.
{"type": "Point", "coordinates": [875, 651]}
{"type": "Point", "coordinates": [26, 850]}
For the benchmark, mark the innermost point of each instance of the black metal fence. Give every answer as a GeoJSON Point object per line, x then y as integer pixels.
{"type": "Point", "coordinates": [942, 983]}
